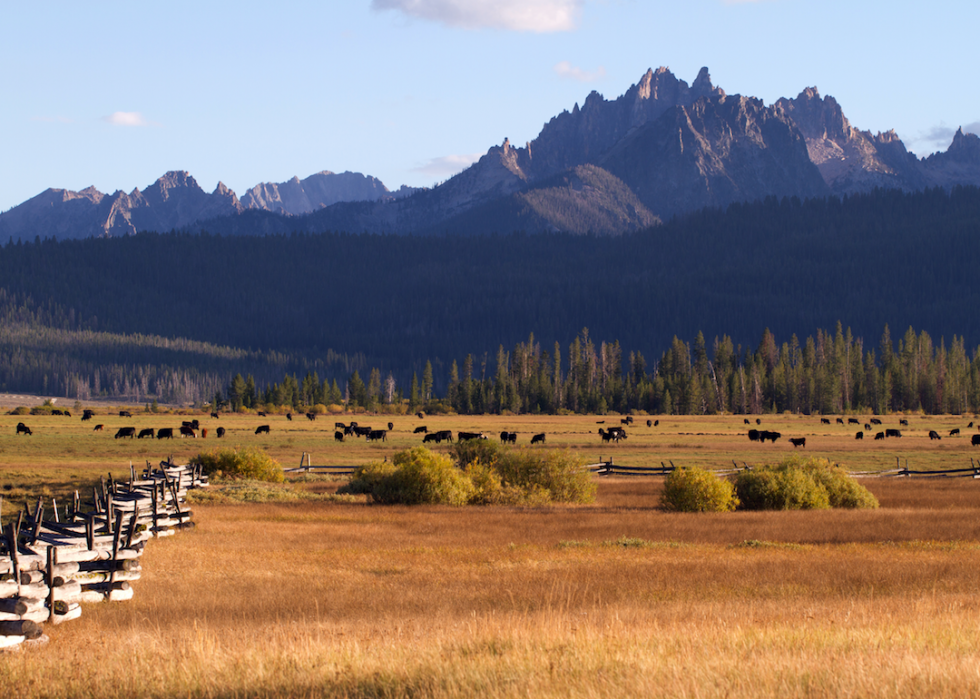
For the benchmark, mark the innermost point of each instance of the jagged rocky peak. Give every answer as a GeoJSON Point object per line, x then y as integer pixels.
{"type": "Point", "coordinates": [964, 146]}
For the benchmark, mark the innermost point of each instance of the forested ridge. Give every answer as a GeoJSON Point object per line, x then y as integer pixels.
{"type": "Point", "coordinates": [176, 316]}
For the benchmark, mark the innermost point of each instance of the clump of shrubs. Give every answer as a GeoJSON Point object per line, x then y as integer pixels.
{"type": "Point", "coordinates": [801, 484]}
{"type": "Point", "coordinates": [795, 484]}
{"type": "Point", "coordinates": [694, 489]}
{"type": "Point", "coordinates": [248, 463]}
{"type": "Point", "coordinates": [479, 472]}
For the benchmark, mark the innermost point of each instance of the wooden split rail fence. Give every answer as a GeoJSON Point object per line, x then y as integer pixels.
{"type": "Point", "coordinates": [306, 467]}
{"type": "Point", "coordinates": [49, 566]}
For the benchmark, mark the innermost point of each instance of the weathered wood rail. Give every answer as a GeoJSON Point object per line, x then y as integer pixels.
{"type": "Point", "coordinates": [305, 466]}
{"type": "Point", "coordinates": [50, 566]}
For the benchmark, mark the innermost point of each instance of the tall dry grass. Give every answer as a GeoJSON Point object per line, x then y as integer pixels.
{"type": "Point", "coordinates": [607, 600]}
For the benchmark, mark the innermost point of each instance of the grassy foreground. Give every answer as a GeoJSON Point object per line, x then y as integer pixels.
{"type": "Point", "coordinates": [614, 599]}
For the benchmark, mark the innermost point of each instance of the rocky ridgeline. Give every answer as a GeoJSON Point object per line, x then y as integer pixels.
{"type": "Point", "coordinates": [51, 566]}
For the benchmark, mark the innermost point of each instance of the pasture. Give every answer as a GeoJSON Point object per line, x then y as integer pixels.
{"type": "Point", "coordinates": [613, 599]}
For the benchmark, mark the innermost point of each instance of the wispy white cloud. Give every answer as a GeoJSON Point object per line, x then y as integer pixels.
{"type": "Point", "coordinates": [566, 70]}
{"type": "Point", "coordinates": [126, 119]}
{"type": "Point", "coordinates": [938, 138]}
{"type": "Point", "coordinates": [541, 16]}
{"type": "Point", "coordinates": [447, 165]}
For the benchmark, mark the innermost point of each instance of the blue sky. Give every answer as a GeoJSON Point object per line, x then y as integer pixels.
{"type": "Point", "coordinates": [114, 94]}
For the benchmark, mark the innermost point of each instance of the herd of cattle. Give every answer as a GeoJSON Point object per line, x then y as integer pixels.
{"type": "Point", "coordinates": [763, 435]}
{"type": "Point", "coordinates": [193, 428]}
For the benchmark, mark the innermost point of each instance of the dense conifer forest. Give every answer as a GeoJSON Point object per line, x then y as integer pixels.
{"type": "Point", "coordinates": [796, 296]}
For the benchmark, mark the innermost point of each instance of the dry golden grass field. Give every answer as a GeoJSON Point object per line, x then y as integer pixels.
{"type": "Point", "coordinates": [613, 599]}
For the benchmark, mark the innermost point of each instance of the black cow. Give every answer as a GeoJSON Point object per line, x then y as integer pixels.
{"type": "Point", "coordinates": [975, 439]}
{"type": "Point", "coordinates": [879, 435]}
{"type": "Point", "coordinates": [361, 431]}
{"type": "Point", "coordinates": [758, 421]}
{"type": "Point", "coordinates": [445, 434]}
{"type": "Point", "coordinates": [289, 416]}
{"type": "Point", "coordinates": [374, 435]}
{"type": "Point", "coordinates": [612, 435]}
{"type": "Point", "coordinates": [87, 415]}
{"type": "Point", "coordinates": [890, 432]}
{"type": "Point", "coordinates": [840, 421]}
{"type": "Point", "coordinates": [771, 436]}
{"type": "Point", "coordinates": [188, 431]}
{"type": "Point", "coordinates": [954, 431]}
{"type": "Point", "coordinates": [754, 435]}
{"type": "Point", "coordinates": [656, 423]}
{"type": "Point", "coordinates": [23, 429]}
{"type": "Point", "coordinates": [462, 436]}
{"type": "Point", "coordinates": [934, 435]}
{"type": "Point", "coordinates": [391, 426]}
{"type": "Point", "coordinates": [859, 435]}
{"type": "Point", "coordinates": [971, 424]}
{"type": "Point", "coordinates": [220, 432]}
{"type": "Point", "coordinates": [867, 427]}
{"type": "Point", "coordinates": [167, 433]}
{"type": "Point", "coordinates": [420, 415]}
{"type": "Point", "coordinates": [875, 421]}
{"type": "Point", "coordinates": [261, 414]}
{"type": "Point", "coordinates": [311, 416]}
{"type": "Point", "coordinates": [798, 441]}
{"type": "Point", "coordinates": [903, 421]}
{"type": "Point", "coordinates": [746, 421]}
{"type": "Point", "coordinates": [148, 432]}
{"type": "Point", "coordinates": [67, 413]}
{"type": "Point", "coordinates": [339, 425]}
{"type": "Point", "coordinates": [214, 415]}
{"type": "Point", "coordinates": [825, 421]}
{"type": "Point", "coordinates": [262, 428]}
{"type": "Point", "coordinates": [125, 413]}
{"type": "Point", "coordinates": [539, 438]}
{"type": "Point", "coordinates": [126, 432]}
{"type": "Point", "coordinates": [649, 423]}
{"type": "Point", "coordinates": [853, 421]}
{"type": "Point", "coordinates": [338, 436]}
{"type": "Point", "coordinates": [432, 437]}
{"type": "Point", "coordinates": [421, 429]}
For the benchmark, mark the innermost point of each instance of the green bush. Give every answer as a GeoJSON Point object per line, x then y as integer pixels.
{"type": "Point", "coordinates": [842, 490]}
{"type": "Point", "coordinates": [557, 476]}
{"type": "Point", "coordinates": [693, 489]}
{"type": "Point", "coordinates": [415, 477]}
{"type": "Point", "coordinates": [801, 484]}
{"type": "Point", "coordinates": [250, 463]}
{"type": "Point", "coordinates": [484, 451]}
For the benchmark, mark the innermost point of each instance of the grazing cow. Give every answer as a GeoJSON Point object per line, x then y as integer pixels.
{"type": "Point", "coordinates": [758, 421]}
{"type": "Point", "coordinates": [361, 431]}
{"type": "Point", "coordinates": [754, 435]}
{"type": "Point", "coordinates": [798, 441]}
{"type": "Point", "coordinates": [612, 435]}
{"type": "Point", "coordinates": [445, 434]}
{"type": "Point", "coordinates": [432, 437]}
{"type": "Point", "coordinates": [656, 423]}
{"type": "Point", "coordinates": [67, 413]}
{"type": "Point", "coordinates": [339, 425]}
{"type": "Point", "coordinates": [289, 416]}
{"type": "Point", "coordinates": [859, 435]}
{"type": "Point", "coordinates": [746, 421]}
{"type": "Point", "coordinates": [890, 432]}
{"type": "Point", "coordinates": [148, 432]}
{"type": "Point", "coordinates": [853, 421]}
{"type": "Point", "coordinates": [625, 421]}
{"type": "Point", "coordinates": [825, 421]}
{"type": "Point", "coordinates": [508, 437]}
{"type": "Point", "coordinates": [875, 421]}
{"type": "Point", "coordinates": [461, 436]}
{"type": "Point", "coordinates": [188, 431]}
{"type": "Point", "coordinates": [125, 413]}
{"type": "Point", "coordinates": [538, 438]}
{"type": "Point", "coordinates": [374, 435]}
{"type": "Point", "coordinates": [338, 436]}
{"type": "Point", "coordinates": [58, 412]}
{"type": "Point", "coordinates": [167, 433]}
{"type": "Point", "coordinates": [771, 436]}
{"type": "Point", "coordinates": [391, 426]}
{"type": "Point", "coordinates": [214, 415]}
{"type": "Point", "coordinates": [261, 414]}
{"type": "Point", "coordinates": [934, 435]}
{"type": "Point", "coordinates": [126, 432]}
{"type": "Point", "coordinates": [954, 431]}
{"type": "Point", "coordinates": [421, 429]}
{"type": "Point", "coordinates": [971, 424]}
{"type": "Point", "coordinates": [649, 423]}
{"type": "Point", "coordinates": [840, 421]}
{"type": "Point", "coordinates": [220, 432]}
{"type": "Point", "coordinates": [879, 435]}
{"type": "Point", "coordinates": [87, 415]}
{"type": "Point", "coordinates": [23, 429]}
{"type": "Point", "coordinates": [420, 415]}
{"type": "Point", "coordinates": [262, 428]}
{"type": "Point", "coordinates": [867, 427]}
{"type": "Point", "coordinates": [98, 428]}
{"type": "Point", "coordinates": [903, 421]}
{"type": "Point", "coordinates": [311, 416]}
{"type": "Point", "coordinates": [349, 430]}
{"type": "Point", "coordinates": [193, 424]}
{"type": "Point", "coordinates": [975, 440]}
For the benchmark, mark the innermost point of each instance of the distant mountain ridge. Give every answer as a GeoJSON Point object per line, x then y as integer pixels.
{"type": "Point", "coordinates": [608, 167]}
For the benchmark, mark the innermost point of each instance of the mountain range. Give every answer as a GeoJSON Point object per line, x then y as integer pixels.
{"type": "Point", "coordinates": [664, 148]}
